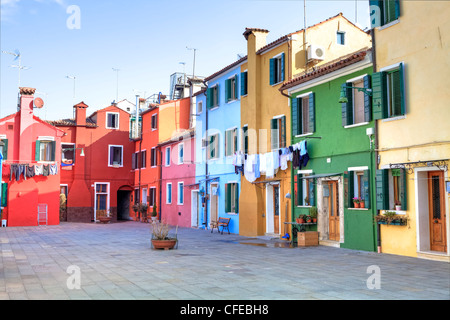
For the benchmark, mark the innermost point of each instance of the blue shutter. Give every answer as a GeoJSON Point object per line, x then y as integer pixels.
{"type": "Point", "coordinates": [282, 67]}
{"type": "Point", "coordinates": [397, 9]}
{"type": "Point", "coordinates": [272, 71]}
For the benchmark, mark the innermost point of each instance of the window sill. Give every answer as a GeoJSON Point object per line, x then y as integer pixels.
{"type": "Point", "coordinates": [214, 108]}
{"type": "Point", "coordinates": [46, 162]}
{"type": "Point", "coordinates": [359, 209]}
{"type": "Point", "coordinates": [304, 135]}
{"type": "Point", "coordinates": [275, 84]}
{"type": "Point", "coordinates": [116, 167]}
{"type": "Point", "coordinates": [356, 125]}
{"type": "Point", "coordinates": [394, 118]}
{"type": "Point", "coordinates": [304, 206]}
{"type": "Point", "coordinates": [232, 213]}
{"type": "Point", "coordinates": [387, 25]}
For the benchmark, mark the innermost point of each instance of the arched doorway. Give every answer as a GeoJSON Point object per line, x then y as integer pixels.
{"type": "Point", "coordinates": [123, 202]}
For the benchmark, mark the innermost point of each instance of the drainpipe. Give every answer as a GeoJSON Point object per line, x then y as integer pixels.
{"type": "Point", "coordinates": [205, 222]}
{"type": "Point", "coordinates": [160, 182]}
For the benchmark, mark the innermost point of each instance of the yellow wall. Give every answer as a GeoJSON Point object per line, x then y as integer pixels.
{"type": "Point", "coordinates": [264, 102]}
{"type": "Point", "coordinates": [421, 40]}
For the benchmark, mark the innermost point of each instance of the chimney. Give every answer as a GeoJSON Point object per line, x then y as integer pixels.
{"type": "Point", "coordinates": [258, 39]}
{"type": "Point", "coordinates": [26, 102]}
{"type": "Point", "coordinates": [80, 113]}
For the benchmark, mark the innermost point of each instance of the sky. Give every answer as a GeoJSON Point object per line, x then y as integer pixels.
{"type": "Point", "coordinates": [145, 40]}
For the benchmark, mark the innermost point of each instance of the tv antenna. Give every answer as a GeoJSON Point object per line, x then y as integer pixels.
{"type": "Point", "coordinates": [18, 57]}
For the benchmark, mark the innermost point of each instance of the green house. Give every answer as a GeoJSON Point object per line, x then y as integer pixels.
{"type": "Point", "coordinates": [333, 133]}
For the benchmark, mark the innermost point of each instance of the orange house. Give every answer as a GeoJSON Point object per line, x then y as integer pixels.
{"type": "Point", "coordinates": [30, 170]}
{"type": "Point", "coordinates": [96, 166]}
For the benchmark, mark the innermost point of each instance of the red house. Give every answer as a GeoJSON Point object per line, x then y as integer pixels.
{"type": "Point", "coordinates": [31, 151]}
{"type": "Point", "coordinates": [96, 166]}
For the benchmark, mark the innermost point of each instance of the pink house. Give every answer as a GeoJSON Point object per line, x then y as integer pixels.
{"type": "Point", "coordinates": [177, 175]}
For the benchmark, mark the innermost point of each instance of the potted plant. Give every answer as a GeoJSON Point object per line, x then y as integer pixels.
{"type": "Point", "coordinates": [398, 205]}
{"type": "Point", "coordinates": [361, 203]}
{"type": "Point", "coordinates": [103, 216]}
{"type": "Point", "coordinates": [154, 213]}
{"type": "Point", "coordinates": [161, 238]}
{"type": "Point", "coordinates": [308, 219]}
{"type": "Point", "coordinates": [356, 202]}
{"type": "Point", "coordinates": [313, 214]}
{"type": "Point", "coordinates": [391, 217]}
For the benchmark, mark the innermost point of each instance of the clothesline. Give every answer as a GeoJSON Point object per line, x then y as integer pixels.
{"type": "Point", "coordinates": [17, 170]}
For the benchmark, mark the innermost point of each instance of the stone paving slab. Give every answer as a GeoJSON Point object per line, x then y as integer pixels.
{"type": "Point", "coordinates": [116, 262]}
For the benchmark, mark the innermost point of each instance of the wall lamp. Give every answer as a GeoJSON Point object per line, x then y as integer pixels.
{"type": "Point", "coordinates": [343, 97]}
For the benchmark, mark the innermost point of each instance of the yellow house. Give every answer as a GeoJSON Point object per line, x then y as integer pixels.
{"type": "Point", "coordinates": [265, 111]}
{"type": "Point", "coordinates": [411, 92]}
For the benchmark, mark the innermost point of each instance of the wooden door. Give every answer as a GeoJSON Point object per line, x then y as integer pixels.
{"type": "Point", "coordinates": [333, 211]}
{"type": "Point", "coordinates": [276, 209]}
{"type": "Point", "coordinates": [436, 193]}
{"type": "Point", "coordinates": [214, 204]}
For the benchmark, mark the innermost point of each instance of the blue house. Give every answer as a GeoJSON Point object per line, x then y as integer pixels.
{"type": "Point", "coordinates": [219, 139]}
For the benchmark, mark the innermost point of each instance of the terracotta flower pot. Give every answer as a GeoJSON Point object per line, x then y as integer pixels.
{"type": "Point", "coordinates": [361, 204]}
{"type": "Point", "coordinates": [104, 219]}
{"type": "Point", "coordinates": [356, 204]}
{"type": "Point", "coordinates": [164, 244]}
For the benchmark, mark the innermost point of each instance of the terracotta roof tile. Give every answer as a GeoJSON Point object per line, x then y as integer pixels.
{"type": "Point", "coordinates": [71, 123]}
{"type": "Point", "coordinates": [329, 67]}
{"type": "Point", "coordinates": [226, 68]}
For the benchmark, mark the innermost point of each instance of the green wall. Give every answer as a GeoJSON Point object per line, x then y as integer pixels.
{"type": "Point", "coordinates": [346, 147]}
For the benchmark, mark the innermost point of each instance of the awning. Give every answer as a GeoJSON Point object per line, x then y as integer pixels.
{"type": "Point", "coordinates": [322, 175]}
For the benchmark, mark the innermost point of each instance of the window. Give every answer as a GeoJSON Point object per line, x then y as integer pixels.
{"type": "Point", "coordinates": [168, 193]}
{"type": "Point", "coordinates": [245, 139]}
{"type": "Point", "coordinates": [383, 12]}
{"type": "Point", "coordinates": [212, 99]}
{"type": "Point", "coordinates": [200, 107]}
{"type": "Point", "coordinates": [154, 122]}
{"type": "Point", "coordinates": [231, 142]}
{"type": "Point", "coordinates": [68, 153]}
{"type": "Point", "coordinates": [358, 109]}
{"type": "Point", "coordinates": [303, 114]}
{"type": "Point", "coordinates": [45, 150]}
{"type": "Point", "coordinates": [134, 161]}
{"type": "Point", "coordinates": [357, 185]}
{"type": "Point", "coordinates": [4, 148]}
{"type": "Point", "coordinates": [167, 162]}
{"type": "Point", "coordinates": [388, 93]}
{"type": "Point", "coordinates": [304, 189]}
{"type": "Point", "coordinates": [244, 83]}
{"type": "Point", "coordinates": [143, 159]}
{"type": "Point", "coordinates": [115, 156]}
{"type": "Point", "coordinates": [232, 198]}
{"type": "Point", "coordinates": [278, 132]}
{"type": "Point", "coordinates": [153, 157]}
{"type": "Point", "coordinates": [391, 188]}
{"type": "Point", "coordinates": [181, 153]}
{"type": "Point", "coordinates": [277, 69]}
{"type": "Point", "coordinates": [340, 37]}
{"type": "Point", "coordinates": [213, 147]}
{"type": "Point", "coordinates": [101, 196]}
{"type": "Point", "coordinates": [136, 196]}
{"type": "Point", "coordinates": [231, 92]}
{"type": "Point", "coordinates": [152, 197]}
{"type": "Point", "coordinates": [180, 193]}
{"type": "Point", "coordinates": [112, 120]}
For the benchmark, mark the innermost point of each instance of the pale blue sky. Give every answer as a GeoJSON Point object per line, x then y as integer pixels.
{"type": "Point", "coordinates": [145, 40]}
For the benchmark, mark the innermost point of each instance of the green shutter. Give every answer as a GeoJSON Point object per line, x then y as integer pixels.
{"type": "Point", "coordinates": [382, 189]}
{"type": "Point", "coordinates": [379, 102]}
{"type": "Point", "coordinates": [273, 128]}
{"type": "Point", "coordinates": [211, 147]}
{"type": "Point", "coordinates": [236, 198]}
{"type": "Point", "coordinates": [37, 155]}
{"type": "Point", "coordinates": [347, 197]}
{"type": "Point", "coordinates": [366, 188]}
{"type": "Point", "coordinates": [397, 9]}
{"type": "Point", "coordinates": [227, 198]}
{"type": "Point", "coordinates": [227, 90]}
{"type": "Point", "coordinates": [346, 110]}
{"type": "Point", "coordinates": [311, 192]}
{"type": "Point", "coordinates": [295, 114]}
{"type": "Point", "coordinates": [228, 143]}
{"type": "Point", "coordinates": [243, 83]}
{"type": "Point", "coordinates": [312, 113]}
{"type": "Point", "coordinates": [403, 197]}
{"type": "Point", "coordinates": [401, 72]}
{"type": "Point", "coordinates": [367, 100]}
{"type": "Point", "coordinates": [283, 132]}
{"type": "Point", "coordinates": [299, 190]}
{"type": "Point", "coordinates": [245, 134]}
{"type": "Point", "coordinates": [53, 144]}
{"type": "Point", "coordinates": [351, 188]}
{"type": "Point", "coordinates": [5, 149]}
{"type": "Point", "coordinates": [4, 195]}
{"type": "Point", "coordinates": [217, 91]}
{"type": "Point", "coordinates": [282, 67]}
{"type": "Point", "coordinates": [272, 71]}
{"type": "Point", "coordinates": [208, 98]}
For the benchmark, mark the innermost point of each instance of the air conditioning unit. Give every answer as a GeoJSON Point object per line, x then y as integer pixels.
{"type": "Point", "coordinates": [315, 53]}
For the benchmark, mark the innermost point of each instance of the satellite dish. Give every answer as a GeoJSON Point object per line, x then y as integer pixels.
{"type": "Point", "coordinates": [38, 103]}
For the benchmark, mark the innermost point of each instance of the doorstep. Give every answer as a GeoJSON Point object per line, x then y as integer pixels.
{"type": "Point", "coordinates": [329, 243]}
{"type": "Point", "coordinates": [433, 255]}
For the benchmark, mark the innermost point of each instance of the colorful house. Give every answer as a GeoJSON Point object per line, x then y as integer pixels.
{"type": "Point", "coordinates": [265, 113]}
{"type": "Point", "coordinates": [31, 150]}
{"type": "Point", "coordinates": [218, 141]}
{"type": "Point", "coordinates": [338, 162]}
{"type": "Point", "coordinates": [95, 164]}
{"type": "Point", "coordinates": [411, 97]}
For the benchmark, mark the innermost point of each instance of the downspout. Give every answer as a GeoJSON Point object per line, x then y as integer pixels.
{"type": "Point", "coordinates": [160, 182]}
{"type": "Point", "coordinates": [205, 213]}
{"type": "Point", "coordinates": [374, 59]}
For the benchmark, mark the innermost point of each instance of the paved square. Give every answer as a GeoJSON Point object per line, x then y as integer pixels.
{"type": "Point", "coordinates": [115, 261]}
